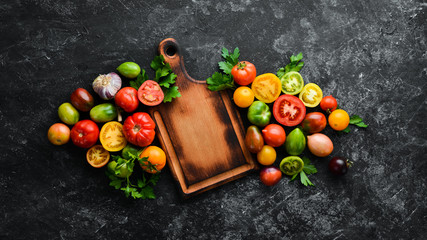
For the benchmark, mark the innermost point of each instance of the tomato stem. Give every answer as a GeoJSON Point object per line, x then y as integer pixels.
{"type": "Point", "coordinates": [241, 65]}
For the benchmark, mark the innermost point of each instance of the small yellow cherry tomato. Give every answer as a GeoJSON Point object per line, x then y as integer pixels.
{"type": "Point", "coordinates": [339, 120]}
{"type": "Point", "coordinates": [243, 97]}
{"type": "Point", "coordinates": [267, 155]}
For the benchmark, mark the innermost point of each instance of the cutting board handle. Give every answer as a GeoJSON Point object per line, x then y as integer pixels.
{"type": "Point", "coordinates": [171, 51]}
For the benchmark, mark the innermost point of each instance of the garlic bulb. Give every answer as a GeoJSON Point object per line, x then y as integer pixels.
{"type": "Point", "coordinates": [107, 85]}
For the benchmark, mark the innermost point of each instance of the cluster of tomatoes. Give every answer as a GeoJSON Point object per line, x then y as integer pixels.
{"type": "Point", "coordinates": [290, 98]}
{"type": "Point", "coordinates": [102, 134]}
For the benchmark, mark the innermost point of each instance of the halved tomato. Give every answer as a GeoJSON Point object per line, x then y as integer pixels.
{"type": "Point", "coordinates": [311, 95]}
{"type": "Point", "coordinates": [97, 156]}
{"type": "Point", "coordinates": [267, 87]}
{"type": "Point", "coordinates": [150, 93]}
{"type": "Point", "coordinates": [112, 137]}
{"type": "Point", "coordinates": [292, 83]}
{"type": "Point", "coordinates": [289, 110]}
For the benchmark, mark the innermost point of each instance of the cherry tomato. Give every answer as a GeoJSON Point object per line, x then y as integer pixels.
{"type": "Point", "coordinates": [58, 134]}
{"type": "Point", "coordinates": [267, 87]}
{"type": "Point", "coordinates": [288, 110]}
{"type": "Point", "coordinates": [311, 95]}
{"type": "Point", "coordinates": [328, 104]}
{"type": "Point", "coordinates": [339, 165]}
{"type": "Point", "coordinates": [150, 93]}
{"type": "Point", "coordinates": [267, 155]}
{"type": "Point", "coordinates": [253, 139]}
{"type": "Point", "coordinates": [274, 135]}
{"type": "Point", "coordinates": [270, 176]}
{"type": "Point", "coordinates": [156, 159]}
{"type": "Point", "coordinates": [244, 73]}
{"type": "Point", "coordinates": [82, 100]}
{"type": "Point", "coordinates": [85, 133]}
{"type": "Point", "coordinates": [292, 83]}
{"type": "Point", "coordinates": [339, 120]}
{"type": "Point", "coordinates": [314, 122]}
{"type": "Point", "coordinates": [243, 97]}
{"type": "Point", "coordinates": [127, 99]}
{"type": "Point", "coordinates": [139, 129]}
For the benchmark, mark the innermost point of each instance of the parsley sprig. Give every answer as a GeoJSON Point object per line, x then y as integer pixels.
{"type": "Point", "coordinates": [143, 188]}
{"type": "Point", "coordinates": [224, 80]}
{"type": "Point", "coordinates": [307, 170]}
{"type": "Point", "coordinates": [294, 65]}
{"type": "Point", "coordinates": [355, 120]}
{"type": "Point", "coordinates": [163, 75]}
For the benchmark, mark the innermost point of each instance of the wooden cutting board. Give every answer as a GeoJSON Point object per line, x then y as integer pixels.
{"type": "Point", "coordinates": [201, 131]}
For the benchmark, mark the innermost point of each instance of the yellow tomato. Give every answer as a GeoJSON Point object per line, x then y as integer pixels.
{"type": "Point", "coordinates": [97, 156]}
{"type": "Point", "coordinates": [267, 87]}
{"type": "Point", "coordinates": [311, 95]}
{"type": "Point", "coordinates": [112, 137]}
{"type": "Point", "coordinates": [267, 155]}
{"type": "Point", "coordinates": [243, 97]}
{"type": "Point", "coordinates": [339, 120]}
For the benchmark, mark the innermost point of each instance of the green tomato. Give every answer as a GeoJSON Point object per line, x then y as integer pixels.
{"type": "Point", "coordinates": [295, 142]}
{"type": "Point", "coordinates": [130, 148]}
{"type": "Point", "coordinates": [259, 114]}
{"type": "Point", "coordinates": [68, 114]}
{"type": "Point", "coordinates": [124, 171]}
{"type": "Point", "coordinates": [104, 112]}
{"type": "Point", "coordinates": [129, 69]}
{"type": "Point", "coordinates": [291, 165]}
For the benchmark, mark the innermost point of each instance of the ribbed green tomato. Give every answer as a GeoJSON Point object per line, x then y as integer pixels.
{"type": "Point", "coordinates": [295, 142]}
{"type": "Point", "coordinates": [104, 112]}
{"type": "Point", "coordinates": [259, 114]}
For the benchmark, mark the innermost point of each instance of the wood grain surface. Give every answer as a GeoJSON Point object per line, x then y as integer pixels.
{"type": "Point", "coordinates": [201, 131]}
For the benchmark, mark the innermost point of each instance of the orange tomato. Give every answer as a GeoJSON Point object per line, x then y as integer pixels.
{"type": "Point", "coordinates": [156, 159]}
{"type": "Point", "coordinates": [97, 156]}
{"type": "Point", "coordinates": [339, 120]}
{"type": "Point", "coordinates": [243, 97]}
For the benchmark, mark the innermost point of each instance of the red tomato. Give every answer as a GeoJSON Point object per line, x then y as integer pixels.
{"type": "Point", "coordinates": [270, 175]}
{"type": "Point", "coordinates": [82, 100]}
{"type": "Point", "coordinates": [274, 135]}
{"type": "Point", "coordinates": [58, 134]}
{"type": "Point", "coordinates": [314, 122]}
{"type": "Point", "coordinates": [150, 93]}
{"type": "Point", "coordinates": [289, 110]}
{"type": "Point", "coordinates": [85, 133]}
{"type": "Point", "coordinates": [139, 129]}
{"type": "Point", "coordinates": [328, 104]}
{"type": "Point", "coordinates": [127, 99]}
{"type": "Point", "coordinates": [244, 73]}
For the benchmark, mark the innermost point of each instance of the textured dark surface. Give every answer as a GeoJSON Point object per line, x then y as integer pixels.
{"type": "Point", "coordinates": [371, 55]}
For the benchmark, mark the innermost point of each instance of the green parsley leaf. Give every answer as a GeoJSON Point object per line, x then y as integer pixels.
{"type": "Point", "coordinates": [140, 79]}
{"type": "Point", "coordinates": [168, 80]}
{"type": "Point", "coordinates": [116, 183]}
{"type": "Point", "coordinates": [304, 179]}
{"type": "Point", "coordinates": [355, 120]}
{"type": "Point", "coordinates": [171, 93]}
{"type": "Point", "coordinates": [294, 65]}
{"type": "Point", "coordinates": [308, 167]}
{"type": "Point", "coordinates": [293, 177]}
{"type": "Point", "coordinates": [346, 130]}
{"type": "Point", "coordinates": [219, 82]}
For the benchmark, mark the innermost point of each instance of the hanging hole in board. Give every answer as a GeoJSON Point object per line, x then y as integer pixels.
{"type": "Point", "coordinates": [171, 51]}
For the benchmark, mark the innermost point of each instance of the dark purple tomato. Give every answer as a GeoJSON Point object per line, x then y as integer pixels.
{"type": "Point", "coordinates": [339, 165]}
{"type": "Point", "coordinates": [270, 175]}
{"type": "Point", "coordinates": [82, 100]}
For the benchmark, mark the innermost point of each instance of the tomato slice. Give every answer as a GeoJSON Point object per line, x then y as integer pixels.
{"type": "Point", "coordinates": [291, 165]}
{"type": "Point", "coordinates": [150, 93]}
{"type": "Point", "coordinates": [267, 87]}
{"type": "Point", "coordinates": [289, 110]}
{"type": "Point", "coordinates": [97, 156]}
{"type": "Point", "coordinates": [292, 83]}
{"type": "Point", "coordinates": [311, 95]}
{"type": "Point", "coordinates": [112, 137]}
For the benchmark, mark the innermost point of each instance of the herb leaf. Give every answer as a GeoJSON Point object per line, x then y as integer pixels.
{"type": "Point", "coordinates": [294, 65]}
{"type": "Point", "coordinates": [220, 81]}
{"type": "Point", "coordinates": [305, 180]}
{"type": "Point", "coordinates": [355, 120]}
{"type": "Point", "coordinates": [171, 93]}
{"type": "Point", "coordinates": [140, 79]}
{"type": "Point", "coordinates": [308, 167]}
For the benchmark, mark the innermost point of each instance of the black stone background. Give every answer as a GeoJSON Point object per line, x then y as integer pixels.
{"type": "Point", "coordinates": [371, 55]}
